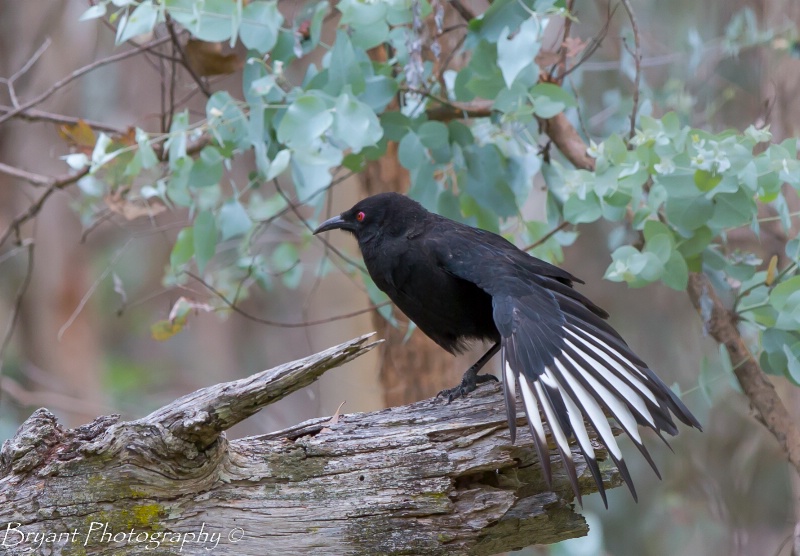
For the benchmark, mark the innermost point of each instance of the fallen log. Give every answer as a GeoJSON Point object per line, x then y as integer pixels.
{"type": "Point", "coordinates": [426, 478]}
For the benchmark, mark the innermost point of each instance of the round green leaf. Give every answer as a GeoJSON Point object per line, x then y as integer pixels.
{"type": "Point", "coordinates": [379, 91]}
{"type": "Point", "coordinates": [233, 220]}
{"type": "Point", "coordinates": [355, 124]}
{"type": "Point", "coordinates": [226, 120]}
{"type": "Point", "coordinates": [260, 25]}
{"type": "Point", "coordinates": [207, 169]}
{"type": "Point", "coordinates": [141, 21]}
{"type": "Point", "coordinates": [549, 99]}
{"type": "Point", "coordinates": [311, 169]}
{"type": "Point", "coordinates": [514, 54]}
{"type": "Point", "coordinates": [676, 272]}
{"type": "Point", "coordinates": [183, 250]}
{"type": "Point", "coordinates": [207, 20]}
{"type": "Point", "coordinates": [688, 213]}
{"type": "Point", "coordinates": [205, 239]}
{"type": "Point", "coordinates": [706, 181]}
{"type": "Point", "coordinates": [660, 246]}
{"type": "Point", "coordinates": [792, 364]}
{"type": "Point", "coordinates": [306, 119]}
{"type": "Point", "coordinates": [434, 135]}
{"type": "Point", "coordinates": [410, 151]}
{"type": "Point", "coordinates": [580, 211]}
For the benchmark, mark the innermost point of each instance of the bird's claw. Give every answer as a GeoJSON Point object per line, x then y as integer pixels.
{"type": "Point", "coordinates": [467, 385]}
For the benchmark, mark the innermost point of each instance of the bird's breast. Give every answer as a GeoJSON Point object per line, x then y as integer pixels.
{"type": "Point", "coordinates": [447, 309]}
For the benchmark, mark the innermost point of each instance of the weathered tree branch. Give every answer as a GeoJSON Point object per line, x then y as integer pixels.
{"type": "Point", "coordinates": [427, 478]}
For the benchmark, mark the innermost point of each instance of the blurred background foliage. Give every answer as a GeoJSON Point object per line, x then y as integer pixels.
{"type": "Point", "coordinates": [182, 257]}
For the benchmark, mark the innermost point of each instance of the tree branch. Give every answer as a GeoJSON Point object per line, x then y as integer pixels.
{"type": "Point", "coordinates": [465, 12]}
{"type": "Point", "coordinates": [30, 177]}
{"type": "Point", "coordinates": [233, 306]}
{"type": "Point", "coordinates": [15, 312]}
{"type": "Point", "coordinates": [448, 111]}
{"type": "Point", "coordinates": [55, 185]}
{"type": "Point", "coordinates": [568, 141]}
{"type": "Point", "coordinates": [721, 325]}
{"type": "Point", "coordinates": [427, 478]}
{"type": "Point", "coordinates": [637, 60]}
{"type": "Point", "coordinates": [184, 59]}
{"type": "Point", "coordinates": [78, 73]}
{"type": "Point", "coordinates": [34, 115]}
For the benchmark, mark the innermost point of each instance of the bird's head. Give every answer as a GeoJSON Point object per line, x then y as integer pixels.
{"type": "Point", "coordinates": [384, 213]}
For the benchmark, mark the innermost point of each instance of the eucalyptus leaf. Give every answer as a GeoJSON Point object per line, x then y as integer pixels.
{"type": "Point", "coordinates": [306, 119]}
{"type": "Point", "coordinates": [355, 124]}
{"type": "Point", "coordinates": [140, 21]}
{"type": "Point", "coordinates": [261, 22]}
{"type": "Point", "coordinates": [205, 239]}
{"type": "Point", "coordinates": [182, 250]}
{"type": "Point", "coordinates": [517, 52]}
{"type": "Point", "coordinates": [233, 220]}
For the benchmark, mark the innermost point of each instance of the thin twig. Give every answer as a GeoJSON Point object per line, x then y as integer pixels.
{"type": "Point", "coordinates": [293, 208]}
{"type": "Point", "coordinates": [30, 177]}
{"type": "Point", "coordinates": [562, 48]}
{"type": "Point", "coordinates": [15, 312]}
{"type": "Point", "coordinates": [78, 73]}
{"type": "Point", "coordinates": [547, 236]}
{"type": "Point", "coordinates": [185, 58]}
{"type": "Point", "coordinates": [594, 44]}
{"type": "Point", "coordinates": [105, 215]}
{"type": "Point", "coordinates": [85, 299]}
{"type": "Point", "coordinates": [34, 209]}
{"type": "Point", "coordinates": [32, 60]}
{"type": "Point", "coordinates": [12, 93]}
{"type": "Point", "coordinates": [449, 58]}
{"type": "Point", "coordinates": [268, 322]}
{"type": "Point", "coordinates": [51, 400]}
{"type": "Point", "coordinates": [34, 115]}
{"type": "Point", "coordinates": [463, 10]}
{"type": "Point", "coordinates": [452, 110]}
{"type": "Point", "coordinates": [173, 80]}
{"type": "Point", "coordinates": [637, 59]}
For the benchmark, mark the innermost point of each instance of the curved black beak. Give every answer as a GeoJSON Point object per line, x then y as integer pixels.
{"type": "Point", "coordinates": [335, 223]}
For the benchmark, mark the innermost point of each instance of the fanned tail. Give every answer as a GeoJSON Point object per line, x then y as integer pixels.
{"type": "Point", "coordinates": [592, 375]}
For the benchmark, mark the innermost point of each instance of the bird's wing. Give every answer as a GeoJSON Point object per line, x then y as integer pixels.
{"type": "Point", "coordinates": [566, 361]}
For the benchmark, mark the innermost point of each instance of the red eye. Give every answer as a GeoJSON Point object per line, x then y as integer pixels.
{"type": "Point", "coordinates": [360, 216]}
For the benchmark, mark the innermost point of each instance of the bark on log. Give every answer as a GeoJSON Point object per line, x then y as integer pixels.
{"type": "Point", "coordinates": [427, 478]}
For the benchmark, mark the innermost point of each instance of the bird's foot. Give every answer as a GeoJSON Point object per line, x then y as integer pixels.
{"type": "Point", "coordinates": [468, 384]}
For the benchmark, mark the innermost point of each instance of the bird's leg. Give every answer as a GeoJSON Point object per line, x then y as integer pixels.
{"type": "Point", "coordinates": [471, 377]}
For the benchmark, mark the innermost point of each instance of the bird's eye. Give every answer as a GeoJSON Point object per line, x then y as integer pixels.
{"type": "Point", "coordinates": [360, 216]}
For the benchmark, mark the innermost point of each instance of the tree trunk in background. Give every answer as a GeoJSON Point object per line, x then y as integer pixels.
{"type": "Point", "coordinates": [62, 272]}
{"type": "Point", "coordinates": [418, 368]}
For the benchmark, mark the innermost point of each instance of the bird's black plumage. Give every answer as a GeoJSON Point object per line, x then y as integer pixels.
{"type": "Point", "coordinates": [459, 283]}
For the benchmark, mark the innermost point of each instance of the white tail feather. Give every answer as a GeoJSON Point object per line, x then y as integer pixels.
{"type": "Point", "coordinates": [620, 411]}
{"type": "Point", "coordinates": [619, 368]}
{"type": "Point", "coordinates": [552, 419]}
{"type": "Point", "coordinates": [627, 393]}
{"type": "Point", "coordinates": [532, 409]}
{"type": "Point", "coordinates": [575, 419]}
{"type": "Point", "coordinates": [593, 410]}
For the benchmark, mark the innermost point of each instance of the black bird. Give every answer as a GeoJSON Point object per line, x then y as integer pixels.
{"type": "Point", "coordinates": [459, 283]}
